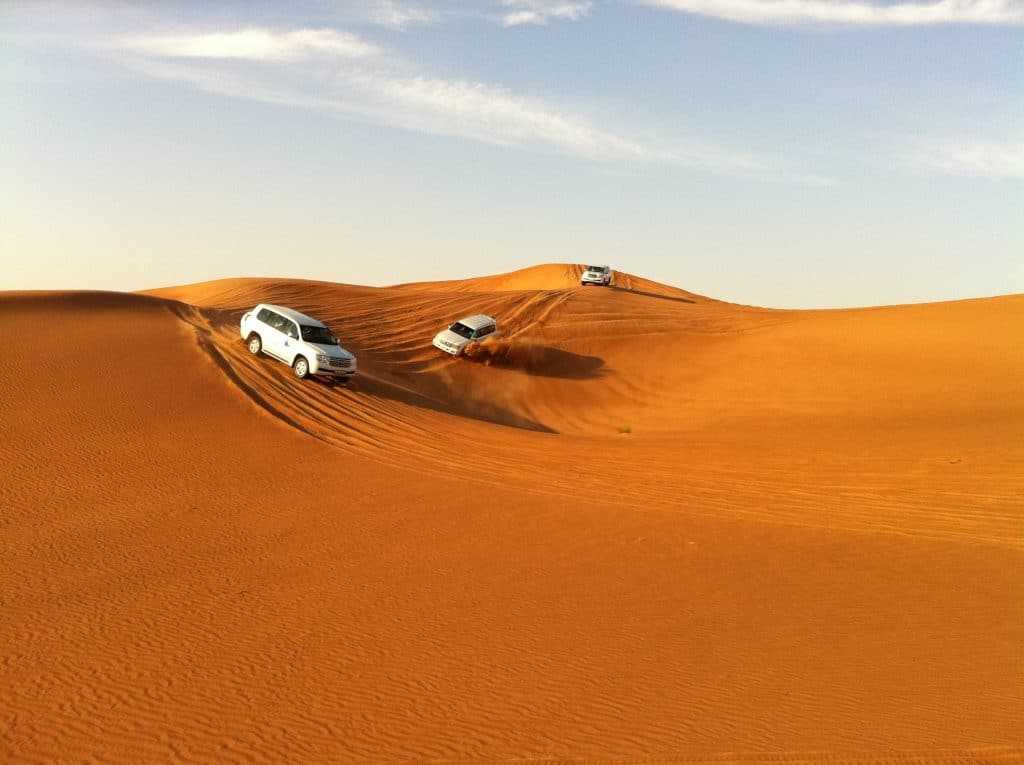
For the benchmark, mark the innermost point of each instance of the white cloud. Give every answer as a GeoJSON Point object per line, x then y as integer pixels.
{"type": "Point", "coordinates": [493, 115]}
{"type": "Point", "coordinates": [843, 12]}
{"type": "Point", "coordinates": [376, 87]}
{"type": "Point", "coordinates": [974, 159]}
{"type": "Point", "coordinates": [522, 12]}
{"type": "Point", "coordinates": [252, 44]}
{"type": "Point", "coordinates": [465, 109]}
{"type": "Point", "coordinates": [395, 15]}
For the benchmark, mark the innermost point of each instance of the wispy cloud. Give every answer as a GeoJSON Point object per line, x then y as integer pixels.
{"type": "Point", "coordinates": [973, 159]}
{"type": "Point", "coordinates": [386, 94]}
{"type": "Point", "coordinates": [252, 44]}
{"type": "Point", "coordinates": [338, 72]}
{"type": "Point", "coordinates": [487, 113]}
{"type": "Point", "coordinates": [842, 12]}
{"type": "Point", "coordinates": [398, 15]}
{"type": "Point", "coordinates": [520, 12]}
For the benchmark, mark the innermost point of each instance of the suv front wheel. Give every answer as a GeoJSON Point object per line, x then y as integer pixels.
{"type": "Point", "coordinates": [301, 367]}
{"type": "Point", "coordinates": [255, 344]}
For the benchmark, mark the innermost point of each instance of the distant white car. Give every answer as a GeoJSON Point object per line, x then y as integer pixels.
{"type": "Point", "coordinates": [300, 341]}
{"type": "Point", "coordinates": [463, 332]}
{"type": "Point", "coordinates": [601, 275]}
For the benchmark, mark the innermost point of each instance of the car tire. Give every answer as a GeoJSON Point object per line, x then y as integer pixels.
{"type": "Point", "coordinates": [301, 367]}
{"type": "Point", "coordinates": [255, 343]}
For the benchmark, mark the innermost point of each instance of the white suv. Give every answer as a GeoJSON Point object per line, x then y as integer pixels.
{"type": "Point", "coordinates": [600, 275]}
{"type": "Point", "coordinates": [301, 342]}
{"type": "Point", "coordinates": [463, 332]}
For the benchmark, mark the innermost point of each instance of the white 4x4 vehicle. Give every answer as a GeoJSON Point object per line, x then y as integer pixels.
{"type": "Point", "coordinates": [601, 275]}
{"type": "Point", "coordinates": [301, 342]}
{"type": "Point", "coordinates": [463, 332]}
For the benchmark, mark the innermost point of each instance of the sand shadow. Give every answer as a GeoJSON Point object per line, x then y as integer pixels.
{"type": "Point", "coordinates": [219, 318]}
{"type": "Point", "coordinates": [483, 411]}
{"type": "Point", "coordinates": [645, 293]}
{"type": "Point", "coordinates": [536, 359]}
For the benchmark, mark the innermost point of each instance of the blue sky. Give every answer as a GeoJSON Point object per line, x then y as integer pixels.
{"type": "Point", "coordinates": [773, 152]}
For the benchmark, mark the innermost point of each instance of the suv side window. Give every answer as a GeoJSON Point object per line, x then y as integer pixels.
{"type": "Point", "coordinates": [264, 315]}
{"type": "Point", "coordinates": [484, 331]}
{"type": "Point", "coordinates": [289, 328]}
{"type": "Point", "coordinates": [276, 320]}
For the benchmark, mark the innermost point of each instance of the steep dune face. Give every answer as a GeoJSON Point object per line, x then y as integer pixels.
{"type": "Point", "coordinates": [551, 330]}
{"type": "Point", "coordinates": [641, 523]}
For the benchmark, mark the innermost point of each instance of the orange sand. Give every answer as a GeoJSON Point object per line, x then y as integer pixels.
{"type": "Point", "coordinates": [641, 525]}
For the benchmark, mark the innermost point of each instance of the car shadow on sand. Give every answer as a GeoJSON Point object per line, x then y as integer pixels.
{"type": "Point", "coordinates": [485, 411]}
{"type": "Point", "coordinates": [536, 359]}
{"type": "Point", "coordinates": [645, 293]}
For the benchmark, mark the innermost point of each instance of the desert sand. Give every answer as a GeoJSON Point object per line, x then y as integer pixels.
{"type": "Point", "coordinates": [642, 525]}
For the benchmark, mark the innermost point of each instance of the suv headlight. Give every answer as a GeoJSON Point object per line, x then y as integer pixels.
{"type": "Point", "coordinates": [323, 358]}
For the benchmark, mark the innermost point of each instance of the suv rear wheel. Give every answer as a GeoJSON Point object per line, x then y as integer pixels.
{"type": "Point", "coordinates": [255, 344]}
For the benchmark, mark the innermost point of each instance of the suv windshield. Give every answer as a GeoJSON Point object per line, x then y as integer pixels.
{"type": "Point", "coordinates": [596, 268]}
{"type": "Point", "coordinates": [318, 335]}
{"type": "Point", "coordinates": [461, 330]}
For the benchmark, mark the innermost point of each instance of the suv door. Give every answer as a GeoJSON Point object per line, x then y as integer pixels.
{"type": "Point", "coordinates": [273, 337]}
{"type": "Point", "coordinates": [290, 340]}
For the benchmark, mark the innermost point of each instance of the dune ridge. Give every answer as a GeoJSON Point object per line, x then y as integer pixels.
{"type": "Point", "coordinates": [643, 525]}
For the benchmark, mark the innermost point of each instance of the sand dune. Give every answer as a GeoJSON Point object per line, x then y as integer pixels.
{"type": "Point", "coordinates": [642, 524]}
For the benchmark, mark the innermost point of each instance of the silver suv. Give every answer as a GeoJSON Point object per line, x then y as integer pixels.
{"type": "Point", "coordinates": [300, 341]}
{"type": "Point", "coordinates": [463, 332]}
{"type": "Point", "coordinates": [600, 275]}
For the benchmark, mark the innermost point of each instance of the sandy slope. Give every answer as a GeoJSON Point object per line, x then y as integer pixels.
{"type": "Point", "coordinates": [643, 524]}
